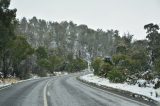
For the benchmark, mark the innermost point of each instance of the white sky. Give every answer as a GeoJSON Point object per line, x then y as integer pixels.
{"type": "Point", "coordinates": [124, 15]}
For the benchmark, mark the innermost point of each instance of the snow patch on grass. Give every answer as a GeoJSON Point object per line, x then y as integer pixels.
{"type": "Point", "coordinates": [146, 91]}
{"type": "Point", "coordinates": [60, 73]}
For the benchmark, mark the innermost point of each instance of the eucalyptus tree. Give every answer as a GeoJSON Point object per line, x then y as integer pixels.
{"type": "Point", "coordinates": [7, 29]}
{"type": "Point", "coordinates": [153, 37]}
{"type": "Point", "coordinates": [20, 51]}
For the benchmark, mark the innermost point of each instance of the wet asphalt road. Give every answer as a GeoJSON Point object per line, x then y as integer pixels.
{"type": "Point", "coordinates": [60, 91]}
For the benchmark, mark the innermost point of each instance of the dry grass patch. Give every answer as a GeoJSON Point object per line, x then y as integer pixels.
{"type": "Point", "coordinates": [9, 80]}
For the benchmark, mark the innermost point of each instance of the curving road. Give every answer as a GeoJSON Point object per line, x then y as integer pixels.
{"type": "Point", "coordinates": [60, 91]}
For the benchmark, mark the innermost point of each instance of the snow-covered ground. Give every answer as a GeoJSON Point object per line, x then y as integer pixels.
{"type": "Point", "coordinates": [146, 91]}
{"type": "Point", "coordinates": [60, 73]}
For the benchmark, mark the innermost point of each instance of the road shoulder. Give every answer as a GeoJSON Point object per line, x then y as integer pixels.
{"type": "Point", "coordinates": [126, 94]}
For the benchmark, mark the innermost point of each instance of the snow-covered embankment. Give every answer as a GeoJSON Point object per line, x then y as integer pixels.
{"type": "Point", "coordinates": [145, 91]}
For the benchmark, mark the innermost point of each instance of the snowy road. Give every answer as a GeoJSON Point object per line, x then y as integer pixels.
{"type": "Point", "coordinates": [60, 91]}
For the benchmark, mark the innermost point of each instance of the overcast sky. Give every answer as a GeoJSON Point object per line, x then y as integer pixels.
{"type": "Point", "coordinates": [124, 15]}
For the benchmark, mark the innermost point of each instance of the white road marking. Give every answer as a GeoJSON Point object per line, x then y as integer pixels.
{"type": "Point", "coordinates": [45, 95]}
{"type": "Point", "coordinates": [48, 94]}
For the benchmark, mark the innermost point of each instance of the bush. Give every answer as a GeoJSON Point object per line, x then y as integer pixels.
{"type": "Point", "coordinates": [116, 76]}
{"type": "Point", "coordinates": [105, 68]}
{"type": "Point", "coordinates": [96, 64]}
{"type": "Point", "coordinates": [55, 62]}
{"type": "Point", "coordinates": [101, 67]}
{"type": "Point", "coordinates": [118, 58]}
{"type": "Point", "coordinates": [141, 60]}
{"type": "Point", "coordinates": [42, 73]}
{"type": "Point", "coordinates": [76, 65]}
{"type": "Point", "coordinates": [124, 62]}
{"type": "Point", "coordinates": [81, 64]}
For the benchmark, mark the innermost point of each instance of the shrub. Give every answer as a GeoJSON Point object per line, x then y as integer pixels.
{"type": "Point", "coordinates": [76, 65]}
{"type": "Point", "coordinates": [42, 73]}
{"type": "Point", "coordinates": [124, 62]}
{"type": "Point", "coordinates": [105, 68]}
{"type": "Point", "coordinates": [116, 76]}
{"type": "Point", "coordinates": [96, 65]}
{"type": "Point", "coordinates": [118, 58]}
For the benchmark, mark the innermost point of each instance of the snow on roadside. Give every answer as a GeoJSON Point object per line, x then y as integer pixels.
{"type": "Point", "coordinates": [33, 77]}
{"type": "Point", "coordinates": [146, 91]}
{"type": "Point", "coordinates": [3, 85]}
{"type": "Point", "coordinates": [60, 73]}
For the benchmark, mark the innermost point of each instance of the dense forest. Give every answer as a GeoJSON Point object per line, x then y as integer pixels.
{"type": "Point", "coordinates": [35, 46]}
{"type": "Point", "coordinates": [66, 42]}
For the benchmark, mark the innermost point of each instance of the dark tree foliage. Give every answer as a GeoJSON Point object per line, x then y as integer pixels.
{"type": "Point", "coordinates": [153, 37]}
{"type": "Point", "coordinates": [7, 27]}
{"type": "Point", "coordinates": [20, 51]}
